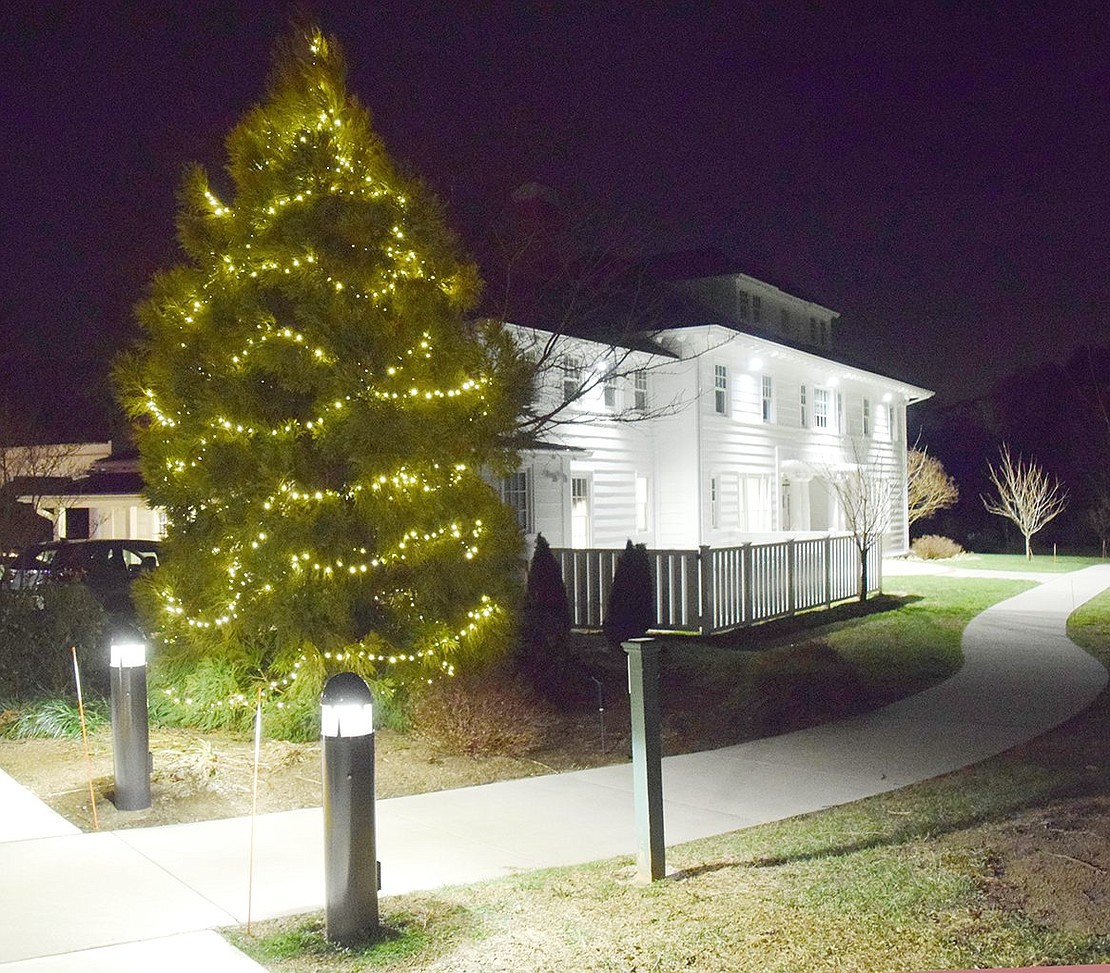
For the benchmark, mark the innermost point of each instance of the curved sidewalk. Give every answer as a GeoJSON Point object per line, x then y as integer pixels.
{"type": "Point", "coordinates": [1021, 676]}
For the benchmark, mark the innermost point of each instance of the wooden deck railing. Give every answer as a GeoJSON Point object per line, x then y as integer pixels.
{"type": "Point", "coordinates": [717, 589]}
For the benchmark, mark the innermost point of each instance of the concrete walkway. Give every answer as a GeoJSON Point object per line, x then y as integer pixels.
{"type": "Point", "coordinates": [149, 898]}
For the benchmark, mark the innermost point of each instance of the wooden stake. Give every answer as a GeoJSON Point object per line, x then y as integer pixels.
{"type": "Point", "coordinates": [85, 737]}
{"type": "Point", "coordinates": [254, 802]}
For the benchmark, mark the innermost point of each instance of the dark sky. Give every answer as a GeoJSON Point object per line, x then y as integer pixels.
{"type": "Point", "coordinates": [936, 172]}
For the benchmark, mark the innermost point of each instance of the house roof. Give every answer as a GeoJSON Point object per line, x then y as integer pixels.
{"type": "Point", "coordinates": [116, 475]}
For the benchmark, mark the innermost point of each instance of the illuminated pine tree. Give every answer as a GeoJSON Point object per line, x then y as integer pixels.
{"type": "Point", "coordinates": [315, 411]}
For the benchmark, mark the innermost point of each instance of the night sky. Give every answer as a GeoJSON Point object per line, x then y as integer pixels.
{"type": "Point", "coordinates": [937, 173]}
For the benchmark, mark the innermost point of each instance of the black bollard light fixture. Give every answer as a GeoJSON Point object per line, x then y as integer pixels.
{"type": "Point", "coordinates": [130, 727]}
{"type": "Point", "coordinates": [351, 873]}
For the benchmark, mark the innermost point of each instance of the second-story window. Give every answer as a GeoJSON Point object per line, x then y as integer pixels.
{"type": "Point", "coordinates": [767, 398]}
{"type": "Point", "coordinates": [784, 320]}
{"type": "Point", "coordinates": [757, 308]}
{"type": "Point", "coordinates": [640, 390]}
{"type": "Point", "coordinates": [840, 413]}
{"type": "Point", "coordinates": [611, 392]}
{"type": "Point", "coordinates": [743, 306]}
{"type": "Point", "coordinates": [572, 379]}
{"type": "Point", "coordinates": [720, 389]}
{"type": "Point", "coordinates": [867, 417]}
{"type": "Point", "coordinates": [821, 408]}
{"type": "Point", "coordinates": [813, 330]}
{"type": "Point", "coordinates": [802, 410]}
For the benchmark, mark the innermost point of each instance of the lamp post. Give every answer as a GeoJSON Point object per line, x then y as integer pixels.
{"type": "Point", "coordinates": [130, 728]}
{"type": "Point", "coordinates": [351, 873]}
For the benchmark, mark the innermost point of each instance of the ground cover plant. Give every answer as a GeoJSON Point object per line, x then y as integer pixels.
{"type": "Point", "coordinates": [1002, 864]}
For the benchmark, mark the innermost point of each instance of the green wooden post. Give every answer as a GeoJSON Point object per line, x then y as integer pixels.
{"type": "Point", "coordinates": [647, 757]}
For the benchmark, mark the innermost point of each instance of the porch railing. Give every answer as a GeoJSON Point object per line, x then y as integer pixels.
{"type": "Point", "coordinates": [717, 589]}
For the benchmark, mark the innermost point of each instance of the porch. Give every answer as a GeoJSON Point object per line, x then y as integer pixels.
{"type": "Point", "coordinates": [713, 590]}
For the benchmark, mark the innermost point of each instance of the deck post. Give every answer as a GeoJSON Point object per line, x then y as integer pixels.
{"type": "Point", "coordinates": [647, 758]}
{"type": "Point", "coordinates": [708, 588]}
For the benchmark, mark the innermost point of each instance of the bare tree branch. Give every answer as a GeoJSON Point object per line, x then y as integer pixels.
{"type": "Point", "coordinates": [865, 492]}
{"type": "Point", "coordinates": [930, 488]}
{"type": "Point", "coordinates": [1026, 495]}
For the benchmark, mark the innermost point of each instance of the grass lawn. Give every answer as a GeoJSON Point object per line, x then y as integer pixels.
{"type": "Point", "coordinates": [1001, 864]}
{"type": "Point", "coordinates": [1017, 562]}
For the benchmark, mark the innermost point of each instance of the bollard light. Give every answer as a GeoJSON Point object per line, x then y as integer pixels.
{"type": "Point", "coordinates": [130, 727]}
{"type": "Point", "coordinates": [351, 873]}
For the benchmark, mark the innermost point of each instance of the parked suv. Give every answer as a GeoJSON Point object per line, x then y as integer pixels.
{"type": "Point", "coordinates": [106, 567]}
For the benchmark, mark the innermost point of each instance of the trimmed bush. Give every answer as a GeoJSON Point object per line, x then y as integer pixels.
{"type": "Point", "coordinates": [630, 611]}
{"type": "Point", "coordinates": [488, 714]}
{"type": "Point", "coordinates": [544, 647]}
{"type": "Point", "coordinates": [932, 547]}
{"type": "Point", "coordinates": [37, 628]}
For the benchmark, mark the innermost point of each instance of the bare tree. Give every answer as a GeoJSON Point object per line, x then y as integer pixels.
{"type": "Point", "coordinates": [930, 488]}
{"type": "Point", "coordinates": [1098, 516]}
{"type": "Point", "coordinates": [1026, 495]}
{"type": "Point", "coordinates": [568, 274]}
{"type": "Point", "coordinates": [865, 490]}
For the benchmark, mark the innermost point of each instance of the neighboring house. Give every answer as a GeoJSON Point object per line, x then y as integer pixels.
{"type": "Point", "coordinates": [99, 498]}
{"type": "Point", "coordinates": [728, 427]}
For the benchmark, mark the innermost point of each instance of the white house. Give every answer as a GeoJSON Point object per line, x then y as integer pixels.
{"type": "Point", "coordinates": [728, 427]}
{"type": "Point", "coordinates": [93, 493]}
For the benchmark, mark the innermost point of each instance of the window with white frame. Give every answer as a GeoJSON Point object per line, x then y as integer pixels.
{"type": "Point", "coordinates": [840, 413]}
{"type": "Point", "coordinates": [516, 493]}
{"type": "Point", "coordinates": [820, 408]}
{"type": "Point", "coordinates": [895, 423]}
{"type": "Point", "coordinates": [572, 378]}
{"type": "Point", "coordinates": [756, 504]}
{"type": "Point", "coordinates": [803, 416]}
{"type": "Point", "coordinates": [642, 510]}
{"type": "Point", "coordinates": [581, 520]}
{"type": "Point", "coordinates": [720, 389]}
{"type": "Point", "coordinates": [866, 416]}
{"type": "Point", "coordinates": [640, 390]}
{"type": "Point", "coordinates": [767, 398]}
{"type": "Point", "coordinates": [611, 392]}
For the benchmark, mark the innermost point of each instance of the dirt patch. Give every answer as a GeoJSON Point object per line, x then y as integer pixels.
{"type": "Point", "coordinates": [200, 776]}
{"type": "Point", "coordinates": [1052, 864]}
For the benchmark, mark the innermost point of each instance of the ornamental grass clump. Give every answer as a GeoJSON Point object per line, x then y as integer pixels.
{"type": "Point", "coordinates": [933, 547]}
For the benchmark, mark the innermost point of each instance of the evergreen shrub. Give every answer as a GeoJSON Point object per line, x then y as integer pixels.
{"type": "Point", "coordinates": [630, 611]}
{"type": "Point", "coordinates": [544, 639]}
{"type": "Point", "coordinates": [37, 629]}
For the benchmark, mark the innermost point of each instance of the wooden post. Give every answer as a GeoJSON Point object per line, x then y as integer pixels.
{"type": "Point", "coordinates": [647, 758]}
{"type": "Point", "coordinates": [828, 570]}
{"type": "Point", "coordinates": [708, 588]}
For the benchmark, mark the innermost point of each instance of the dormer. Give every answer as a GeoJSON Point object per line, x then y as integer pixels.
{"type": "Point", "coordinates": [749, 304]}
